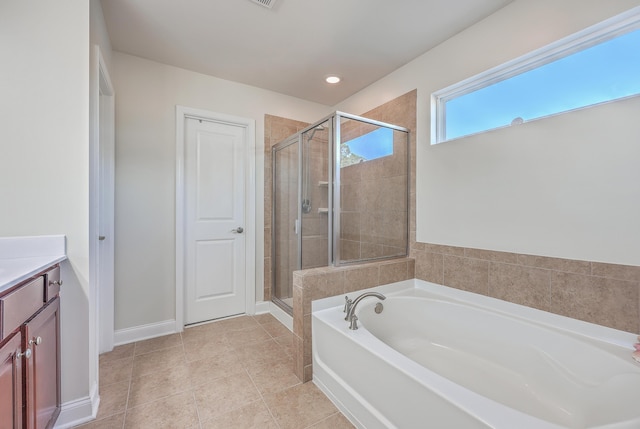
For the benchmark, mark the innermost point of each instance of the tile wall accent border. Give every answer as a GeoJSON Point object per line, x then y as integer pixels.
{"type": "Point", "coordinates": [601, 293]}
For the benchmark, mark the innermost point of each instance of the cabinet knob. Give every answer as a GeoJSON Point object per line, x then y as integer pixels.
{"type": "Point", "coordinates": [56, 282]}
{"type": "Point", "coordinates": [26, 354]}
{"type": "Point", "coordinates": [37, 341]}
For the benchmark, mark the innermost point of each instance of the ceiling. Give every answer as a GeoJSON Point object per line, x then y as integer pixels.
{"type": "Point", "coordinates": [292, 47]}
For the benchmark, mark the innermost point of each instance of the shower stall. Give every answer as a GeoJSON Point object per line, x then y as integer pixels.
{"type": "Point", "coordinates": [340, 197]}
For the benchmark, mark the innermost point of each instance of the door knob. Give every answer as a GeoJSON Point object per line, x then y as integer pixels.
{"type": "Point", "coordinates": [101, 237]}
{"type": "Point", "coordinates": [238, 230]}
{"type": "Point", "coordinates": [26, 354]}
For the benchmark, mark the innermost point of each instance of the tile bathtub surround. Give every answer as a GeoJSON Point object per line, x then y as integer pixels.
{"type": "Point", "coordinates": [235, 373]}
{"type": "Point", "coordinates": [324, 282]}
{"type": "Point", "coordinates": [605, 294]}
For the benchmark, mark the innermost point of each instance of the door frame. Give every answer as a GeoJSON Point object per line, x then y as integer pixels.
{"type": "Point", "coordinates": [101, 212]}
{"type": "Point", "coordinates": [183, 113]}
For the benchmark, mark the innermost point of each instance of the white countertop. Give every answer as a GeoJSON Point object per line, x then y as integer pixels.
{"type": "Point", "coordinates": [23, 257]}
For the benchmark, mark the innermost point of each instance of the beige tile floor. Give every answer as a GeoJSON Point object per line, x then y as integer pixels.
{"type": "Point", "coordinates": [234, 373]}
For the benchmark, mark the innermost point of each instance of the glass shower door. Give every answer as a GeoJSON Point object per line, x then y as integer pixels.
{"type": "Point", "coordinates": [285, 247]}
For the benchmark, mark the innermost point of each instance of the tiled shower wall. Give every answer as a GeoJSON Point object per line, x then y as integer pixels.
{"type": "Point", "coordinates": [315, 226]}
{"type": "Point", "coordinates": [374, 205]}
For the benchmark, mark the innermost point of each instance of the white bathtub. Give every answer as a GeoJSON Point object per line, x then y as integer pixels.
{"type": "Point", "coordinates": [438, 357]}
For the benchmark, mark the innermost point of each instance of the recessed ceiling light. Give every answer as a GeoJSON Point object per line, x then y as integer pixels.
{"type": "Point", "coordinates": [332, 79]}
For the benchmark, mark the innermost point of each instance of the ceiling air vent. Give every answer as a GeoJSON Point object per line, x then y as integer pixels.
{"type": "Point", "coordinates": [266, 3]}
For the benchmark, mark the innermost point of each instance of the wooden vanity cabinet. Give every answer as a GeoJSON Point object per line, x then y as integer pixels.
{"type": "Point", "coordinates": [30, 353]}
{"type": "Point", "coordinates": [11, 382]}
{"type": "Point", "coordinates": [42, 371]}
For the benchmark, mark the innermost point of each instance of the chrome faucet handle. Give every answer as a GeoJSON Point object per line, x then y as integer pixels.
{"type": "Point", "coordinates": [347, 306]}
{"type": "Point", "coordinates": [354, 322]}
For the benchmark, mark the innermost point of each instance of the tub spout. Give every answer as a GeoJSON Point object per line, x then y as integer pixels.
{"type": "Point", "coordinates": [351, 314]}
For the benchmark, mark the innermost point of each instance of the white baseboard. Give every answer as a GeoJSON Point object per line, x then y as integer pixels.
{"type": "Point", "coordinates": [262, 307]}
{"type": "Point", "coordinates": [79, 411]}
{"type": "Point", "coordinates": [144, 332]}
{"type": "Point", "coordinates": [281, 315]}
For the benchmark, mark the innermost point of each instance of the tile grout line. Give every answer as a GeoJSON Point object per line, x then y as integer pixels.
{"type": "Point", "coordinates": [193, 396]}
{"type": "Point", "coordinates": [550, 291]}
{"type": "Point", "coordinates": [191, 387]}
{"type": "Point", "coordinates": [270, 339]}
{"type": "Point", "coordinates": [263, 400]}
{"type": "Point", "coordinates": [325, 419]}
{"type": "Point", "coordinates": [127, 408]}
{"type": "Point", "coordinates": [126, 404]}
{"type": "Point", "coordinates": [489, 265]}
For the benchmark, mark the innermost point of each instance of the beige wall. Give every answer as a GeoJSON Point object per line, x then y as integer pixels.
{"type": "Point", "coordinates": [565, 186]}
{"type": "Point", "coordinates": [44, 134]}
{"type": "Point", "coordinates": [147, 95]}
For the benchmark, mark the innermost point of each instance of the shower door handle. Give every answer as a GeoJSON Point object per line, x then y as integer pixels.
{"type": "Point", "coordinates": [296, 227]}
{"type": "Point", "coordinates": [238, 230]}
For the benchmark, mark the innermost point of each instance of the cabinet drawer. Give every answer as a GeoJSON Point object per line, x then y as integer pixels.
{"type": "Point", "coordinates": [20, 305]}
{"type": "Point", "coordinates": [52, 284]}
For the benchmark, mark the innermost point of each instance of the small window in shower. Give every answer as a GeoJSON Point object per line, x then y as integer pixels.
{"type": "Point", "coordinates": [372, 145]}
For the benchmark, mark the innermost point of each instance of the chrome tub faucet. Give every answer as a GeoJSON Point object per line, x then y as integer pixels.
{"type": "Point", "coordinates": [350, 307]}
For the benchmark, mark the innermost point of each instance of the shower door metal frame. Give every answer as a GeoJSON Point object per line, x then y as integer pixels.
{"type": "Point", "coordinates": [296, 139]}
{"type": "Point", "coordinates": [331, 187]}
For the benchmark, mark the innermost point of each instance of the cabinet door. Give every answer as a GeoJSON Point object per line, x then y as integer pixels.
{"type": "Point", "coordinates": [43, 369]}
{"type": "Point", "coordinates": [11, 383]}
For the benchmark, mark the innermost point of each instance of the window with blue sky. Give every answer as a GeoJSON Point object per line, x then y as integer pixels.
{"type": "Point", "coordinates": [603, 72]}
{"type": "Point", "coordinates": [373, 145]}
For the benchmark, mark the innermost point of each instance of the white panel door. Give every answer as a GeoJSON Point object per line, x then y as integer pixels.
{"type": "Point", "coordinates": [214, 220]}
